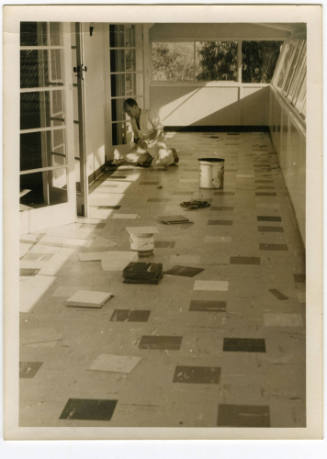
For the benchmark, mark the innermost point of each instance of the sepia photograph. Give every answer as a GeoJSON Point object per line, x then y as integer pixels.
{"type": "Point", "coordinates": [162, 179]}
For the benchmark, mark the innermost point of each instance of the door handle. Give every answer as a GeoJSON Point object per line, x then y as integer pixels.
{"type": "Point", "coordinates": [79, 69]}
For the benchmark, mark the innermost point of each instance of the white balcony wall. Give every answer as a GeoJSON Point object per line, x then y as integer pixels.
{"type": "Point", "coordinates": [289, 140]}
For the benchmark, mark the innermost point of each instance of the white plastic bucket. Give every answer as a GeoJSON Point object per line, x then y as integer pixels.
{"type": "Point", "coordinates": [141, 239]}
{"type": "Point", "coordinates": [212, 173]}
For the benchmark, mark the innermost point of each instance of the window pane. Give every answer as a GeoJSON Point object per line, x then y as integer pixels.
{"type": "Point", "coordinates": [45, 188]}
{"type": "Point", "coordinates": [33, 33]}
{"type": "Point", "coordinates": [42, 149]}
{"type": "Point", "coordinates": [172, 61]}
{"type": "Point", "coordinates": [41, 109]}
{"type": "Point", "coordinates": [130, 60]}
{"type": "Point", "coordinates": [55, 34]}
{"type": "Point", "coordinates": [117, 110]}
{"type": "Point", "coordinates": [118, 134]}
{"type": "Point", "coordinates": [117, 60]}
{"type": "Point", "coordinates": [116, 33]}
{"type": "Point", "coordinates": [40, 68]}
{"type": "Point", "coordinates": [130, 88]}
{"type": "Point", "coordinates": [259, 60]}
{"type": "Point", "coordinates": [129, 35]}
{"type": "Point", "coordinates": [216, 60]}
{"type": "Point", "coordinates": [118, 85]}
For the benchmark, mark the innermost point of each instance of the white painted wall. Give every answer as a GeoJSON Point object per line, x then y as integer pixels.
{"type": "Point", "coordinates": [289, 139]}
{"type": "Point", "coordinates": [211, 104]}
{"type": "Point", "coordinates": [96, 100]}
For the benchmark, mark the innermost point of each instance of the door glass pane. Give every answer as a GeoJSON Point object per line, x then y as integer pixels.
{"type": "Point", "coordinates": [116, 35]}
{"type": "Point", "coordinates": [118, 84]}
{"type": "Point", "coordinates": [130, 88]}
{"type": "Point", "coordinates": [55, 34]}
{"type": "Point", "coordinates": [33, 33]}
{"type": "Point", "coordinates": [42, 149]}
{"type": "Point", "coordinates": [41, 109]}
{"type": "Point", "coordinates": [117, 60]}
{"type": "Point", "coordinates": [43, 188]}
{"type": "Point", "coordinates": [118, 134]}
{"type": "Point", "coordinates": [130, 60]}
{"type": "Point", "coordinates": [129, 35]}
{"type": "Point", "coordinates": [41, 68]}
{"type": "Point", "coordinates": [117, 110]}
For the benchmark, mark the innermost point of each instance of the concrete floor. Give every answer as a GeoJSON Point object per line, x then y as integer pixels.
{"type": "Point", "coordinates": [226, 353]}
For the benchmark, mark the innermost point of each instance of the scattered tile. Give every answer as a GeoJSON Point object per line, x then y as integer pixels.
{"type": "Point", "coordinates": [265, 218]}
{"type": "Point", "coordinates": [161, 342]}
{"type": "Point", "coordinates": [270, 229]}
{"type": "Point", "coordinates": [89, 409]}
{"type": "Point", "coordinates": [244, 345]}
{"type": "Point", "coordinates": [211, 285]}
{"type": "Point", "coordinates": [207, 306]}
{"type": "Point", "coordinates": [117, 260]}
{"type": "Point", "coordinates": [279, 295]}
{"type": "Point", "coordinates": [29, 369]}
{"type": "Point", "coordinates": [40, 335]}
{"type": "Point", "coordinates": [245, 260]}
{"type": "Point", "coordinates": [299, 278]}
{"type": "Point", "coordinates": [174, 219]}
{"type": "Point", "coordinates": [126, 315]}
{"type": "Point", "coordinates": [187, 271]}
{"type": "Point", "coordinates": [114, 363]}
{"type": "Point", "coordinates": [88, 299]}
{"type": "Point", "coordinates": [273, 246]}
{"type": "Point", "coordinates": [125, 216]}
{"type": "Point", "coordinates": [90, 256]}
{"type": "Point", "coordinates": [282, 320]}
{"type": "Point", "coordinates": [164, 244]}
{"type": "Point", "coordinates": [220, 222]}
{"type": "Point", "coordinates": [28, 271]}
{"type": "Point", "coordinates": [197, 375]}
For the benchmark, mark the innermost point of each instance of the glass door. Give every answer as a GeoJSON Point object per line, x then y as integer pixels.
{"type": "Point", "coordinates": [46, 144]}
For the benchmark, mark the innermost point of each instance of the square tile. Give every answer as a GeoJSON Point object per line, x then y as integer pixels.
{"type": "Point", "coordinates": [245, 260]}
{"type": "Point", "coordinates": [88, 299]}
{"type": "Point", "coordinates": [277, 294]}
{"type": "Point", "coordinates": [268, 218]}
{"type": "Point", "coordinates": [207, 306]}
{"type": "Point", "coordinates": [197, 375]}
{"type": "Point", "coordinates": [161, 342]}
{"type": "Point", "coordinates": [120, 315]}
{"type": "Point", "coordinates": [89, 409]}
{"type": "Point", "coordinates": [186, 271]}
{"type": "Point", "coordinates": [164, 244]}
{"type": "Point", "coordinates": [114, 363]}
{"type": "Point", "coordinates": [243, 415]}
{"type": "Point", "coordinates": [211, 285]}
{"type": "Point", "coordinates": [29, 369]}
{"type": "Point", "coordinates": [220, 222]}
{"type": "Point", "coordinates": [270, 229]}
{"type": "Point", "coordinates": [125, 216]}
{"type": "Point", "coordinates": [282, 320]}
{"type": "Point", "coordinates": [273, 247]}
{"type": "Point", "coordinates": [244, 345]}
{"type": "Point", "coordinates": [139, 315]}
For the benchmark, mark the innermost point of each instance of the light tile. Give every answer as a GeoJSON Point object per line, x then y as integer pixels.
{"type": "Point", "coordinates": [211, 285]}
{"type": "Point", "coordinates": [282, 320]}
{"type": "Point", "coordinates": [125, 216]}
{"type": "Point", "coordinates": [115, 363]}
{"type": "Point", "coordinates": [88, 298]}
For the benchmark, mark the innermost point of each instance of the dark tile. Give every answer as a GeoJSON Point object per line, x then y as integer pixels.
{"type": "Point", "coordinates": [89, 409]}
{"type": "Point", "coordinates": [244, 345]}
{"type": "Point", "coordinates": [164, 244]}
{"type": "Point", "coordinates": [117, 177]}
{"type": "Point", "coordinates": [273, 247]}
{"type": "Point", "coordinates": [222, 208]}
{"type": "Point", "coordinates": [271, 229]}
{"type": "Point", "coordinates": [279, 295]}
{"type": "Point", "coordinates": [225, 193]}
{"type": "Point", "coordinates": [28, 271]}
{"type": "Point", "coordinates": [187, 271]}
{"type": "Point", "coordinates": [29, 369]}
{"type": "Point", "coordinates": [220, 222]}
{"type": "Point", "coordinates": [161, 342]}
{"type": "Point", "coordinates": [263, 218]}
{"type": "Point", "coordinates": [208, 306]}
{"type": "Point", "coordinates": [262, 193]}
{"type": "Point", "coordinates": [197, 375]}
{"type": "Point", "coordinates": [107, 207]}
{"type": "Point", "coordinates": [243, 416]}
{"type": "Point", "coordinates": [299, 278]}
{"type": "Point", "coordinates": [120, 315]}
{"type": "Point", "coordinates": [245, 260]}
{"type": "Point", "coordinates": [158, 199]}
{"type": "Point", "coordinates": [139, 315]}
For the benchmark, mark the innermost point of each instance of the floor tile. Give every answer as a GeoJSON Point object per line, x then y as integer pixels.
{"type": "Point", "coordinates": [264, 246]}
{"type": "Point", "coordinates": [88, 299]}
{"type": "Point", "coordinates": [220, 222]}
{"type": "Point", "coordinates": [217, 239]}
{"type": "Point", "coordinates": [125, 216]}
{"type": "Point", "coordinates": [164, 244]}
{"type": "Point", "coordinates": [245, 260]}
{"type": "Point", "coordinates": [270, 229]}
{"type": "Point", "coordinates": [211, 285]}
{"type": "Point", "coordinates": [244, 345]}
{"type": "Point", "coordinates": [243, 415]}
{"type": "Point", "coordinates": [282, 320]}
{"type": "Point", "coordinates": [114, 363]}
{"type": "Point", "coordinates": [29, 369]}
{"type": "Point", "coordinates": [186, 271]}
{"type": "Point", "coordinates": [197, 375]}
{"type": "Point", "coordinates": [279, 295]}
{"type": "Point", "coordinates": [208, 306]}
{"type": "Point", "coordinates": [89, 409]}
{"type": "Point", "coordinates": [28, 271]}
{"type": "Point", "coordinates": [161, 342]}
{"type": "Point", "coordinates": [271, 218]}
